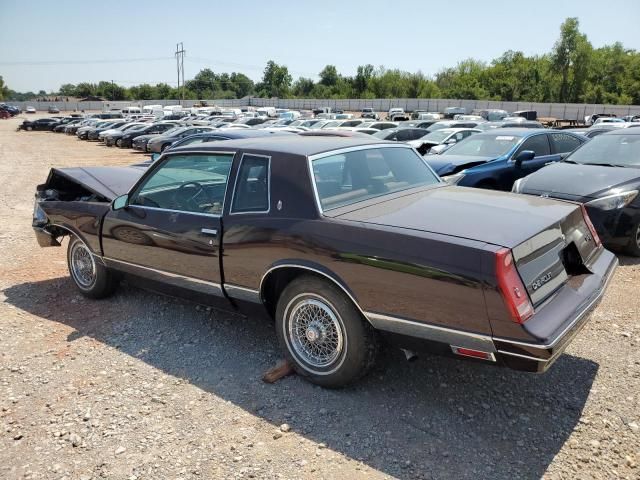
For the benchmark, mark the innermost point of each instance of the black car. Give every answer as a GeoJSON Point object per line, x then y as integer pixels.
{"type": "Point", "coordinates": [13, 111]}
{"type": "Point", "coordinates": [604, 175]}
{"type": "Point", "coordinates": [94, 133]}
{"type": "Point", "coordinates": [155, 128]}
{"type": "Point", "coordinates": [400, 134]}
{"type": "Point", "coordinates": [40, 124]}
{"type": "Point", "coordinates": [342, 241]}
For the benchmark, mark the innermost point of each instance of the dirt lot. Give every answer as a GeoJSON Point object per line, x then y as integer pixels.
{"type": "Point", "coordinates": [141, 386]}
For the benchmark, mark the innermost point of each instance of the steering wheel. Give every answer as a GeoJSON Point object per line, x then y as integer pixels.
{"type": "Point", "coordinates": [183, 198]}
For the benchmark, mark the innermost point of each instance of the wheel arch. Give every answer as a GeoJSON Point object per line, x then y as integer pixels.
{"type": "Point", "coordinates": [278, 276]}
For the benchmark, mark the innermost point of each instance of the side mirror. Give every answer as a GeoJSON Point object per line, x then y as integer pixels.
{"type": "Point", "coordinates": [120, 202]}
{"type": "Point", "coordinates": [524, 156]}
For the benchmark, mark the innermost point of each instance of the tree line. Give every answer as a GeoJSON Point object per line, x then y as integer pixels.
{"type": "Point", "coordinates": [573, 72]}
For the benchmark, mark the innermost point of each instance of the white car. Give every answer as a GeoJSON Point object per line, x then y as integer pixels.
{"type": "Point", "coordinates": [397, 114]}
{"type": "Point", "coordinates": [30, 110]}
{"type": "Point", "coordinates": [440, 140]}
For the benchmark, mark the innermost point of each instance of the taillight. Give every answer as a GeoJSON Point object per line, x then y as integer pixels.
{"type": "Point", "coordinates": [513, 292]}
{"type": "Point", "coordinates": [590, 226]}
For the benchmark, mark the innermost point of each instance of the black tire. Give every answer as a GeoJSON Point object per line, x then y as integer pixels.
{"type": "Point", "coordinates": [633, 248]}
{"type": "Point", "coordinates": [119, 143]}
{"type": "Point", "coordinates": [29, 128]}
{"type": "Point", "coordinates": [93, 279]}
{"type": "Point", "coordinates": [164, 147]}
{"type": "Point", "coordinates": [342, 331]}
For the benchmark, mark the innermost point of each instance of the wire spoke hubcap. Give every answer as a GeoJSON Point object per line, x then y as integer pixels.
{"type": "Point", "coordinates": [83, 266]}
{"type": "Point", "coordinates": [315, 332]}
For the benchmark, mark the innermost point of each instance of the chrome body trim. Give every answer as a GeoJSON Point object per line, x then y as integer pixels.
{"type": "Point", "coordinates": [242, 293]}
{"type": "Point", "coordinates": [146, 207]}
{"type": "Point", "coordinates": [235, 185]}
{"type": "Point", "coordinates": [183, 281]}
{"type": "Point", "coordinates": [585, 310]}
{"type": "Point", "coordinates": [311, 269]}
{"type": "Point", "coordinates": [527, 357]}
{"type": "Point", "coordinates": [209, 231]}
{"type": "Point", "coordinates": [434, 333]}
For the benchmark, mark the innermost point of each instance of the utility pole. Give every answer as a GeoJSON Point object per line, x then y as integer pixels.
{"type": "Point", "coordinates": [180, 66]}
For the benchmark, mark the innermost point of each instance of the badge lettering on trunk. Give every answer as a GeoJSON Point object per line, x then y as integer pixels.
{"type": "Point", "coordinates": [538, 282]}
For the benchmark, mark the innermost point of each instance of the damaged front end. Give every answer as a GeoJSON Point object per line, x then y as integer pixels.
{"type": "Point", "coordinates": [64, 205]}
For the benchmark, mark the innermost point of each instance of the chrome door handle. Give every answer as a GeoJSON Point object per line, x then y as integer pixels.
{"type": "Point", "coordinates": [209, 231]}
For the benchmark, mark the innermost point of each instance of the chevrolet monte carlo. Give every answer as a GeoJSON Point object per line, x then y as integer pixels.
{"type": "Point", "coordinates": [344, 242]}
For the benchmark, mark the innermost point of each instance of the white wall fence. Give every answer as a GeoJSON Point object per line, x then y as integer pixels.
{"type": "Point", "coordinates": [555, 110]}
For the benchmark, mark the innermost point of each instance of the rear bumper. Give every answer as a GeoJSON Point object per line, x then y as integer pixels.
{"type": "Point", "coordinates": [569, 313]}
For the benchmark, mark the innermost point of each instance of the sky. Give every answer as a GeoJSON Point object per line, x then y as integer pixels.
{"type": "Point", "coordinates": [44, 44]}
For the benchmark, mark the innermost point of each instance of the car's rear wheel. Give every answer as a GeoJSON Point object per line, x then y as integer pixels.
{"type": "Point", "coordinates": [633, 248]}
{"type": "Point", "coordinates": [323, 334]}
{"type": "Point", "coordinates": [93, 279]}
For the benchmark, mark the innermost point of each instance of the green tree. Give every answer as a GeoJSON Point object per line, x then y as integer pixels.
{"type": "Point", "coordinates": [67, 90]}
{"type": "Point", "coordinates": [570, 57]}
{"type": "Point", "coordinates": [4, 90]}
{"type": "Point", "coordinates": [329, 76]}
{"type": "Point", "coordinates": [276, 80]}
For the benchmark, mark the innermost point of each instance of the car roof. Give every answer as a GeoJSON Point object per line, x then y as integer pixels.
{"type": "Point", "coordinates": [623, 131]}
{"type": "Point", "coordinates": [516, 132]}
{"type": "Point", "coordinates": [293, 144]}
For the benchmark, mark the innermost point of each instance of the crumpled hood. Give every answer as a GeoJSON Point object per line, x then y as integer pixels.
{"type": "Point", "coordinates": [447, 164]}
{"type": "Point", "coordinates": [110, 182]}
{"type": "Point", "coordinates": [568, 180]}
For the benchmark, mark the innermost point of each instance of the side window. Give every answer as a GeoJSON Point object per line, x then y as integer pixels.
{"type": "Point", "coordinates": [188, 183]}
{"type": "Point", "coordinates": [251, 192]}
{"type": "Point", "coordinates": [564, 143]}
{"type": "Point", "coordinates": [538, 143]}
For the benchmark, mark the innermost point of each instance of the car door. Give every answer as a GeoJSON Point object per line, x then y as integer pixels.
{"type": "Point", "coordinates": [539, 144]}
{"type": "Point", "coordinates": [170, 229]}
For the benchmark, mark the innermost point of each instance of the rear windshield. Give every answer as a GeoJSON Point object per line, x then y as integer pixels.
{"type": "Point", "coordinates": [359, 175]}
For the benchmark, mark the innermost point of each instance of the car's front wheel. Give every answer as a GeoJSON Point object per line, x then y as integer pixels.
{"type": "Point", "coordinates": [119, 142]}
{"type": "Point", "coordinates": [323, 334]}
{"type": "Point", "coordinates": [93, 279]}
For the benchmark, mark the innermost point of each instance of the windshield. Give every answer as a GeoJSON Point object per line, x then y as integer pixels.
{"type": "Point", "coordinates": [621, 150]}
{"type": "Point", "coordinates": [484, 145]}
{"type": "Point", "coordinates": [359, 175]}
{"type": "Point", "coordinates": [174, 131]}
{"type": "Point", "coordinates": [384, 134]}
{"type": "Point", "coordinates": [438, 136]}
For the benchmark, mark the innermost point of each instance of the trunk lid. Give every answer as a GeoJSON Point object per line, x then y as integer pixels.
{"type": "Point", "coordinates": [549, 239]}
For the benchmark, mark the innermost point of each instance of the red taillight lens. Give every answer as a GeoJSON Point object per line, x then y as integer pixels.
{"type": "Point", "coordinates": [590, 226]}
{"type": "Point", "coordinates": [513, 292]}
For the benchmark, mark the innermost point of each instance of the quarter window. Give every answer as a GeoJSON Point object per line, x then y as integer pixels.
{"type": "Point", "coordinates": [251, 192]}
{"type": "Point", "coordinates": [564, 143]}
{"type": "Point", "coordinates": [189, 183]}
{"type": "Point", "coordinates": [538, 143]}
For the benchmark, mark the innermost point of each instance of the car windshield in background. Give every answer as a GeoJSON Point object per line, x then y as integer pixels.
{"type": "Point", "coordinates": [383, 134]}
{"type": "Point", "coordinates": [174, 131]}
{"type": "Point", "coordinates": [620, 150]}
{"type": "Point", "coordinates": [352, 177]}
{"type": "Point", "coordinates": [484, 145]}
{"type": "Point", "coordinates": [437, 136]}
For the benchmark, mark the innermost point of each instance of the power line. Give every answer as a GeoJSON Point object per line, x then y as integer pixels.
{"type": "Point", "coordinates": [83, 62]}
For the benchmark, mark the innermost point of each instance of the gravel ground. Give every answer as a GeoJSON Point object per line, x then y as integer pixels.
{"type": "Point", "coordinates": [149, 387]}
